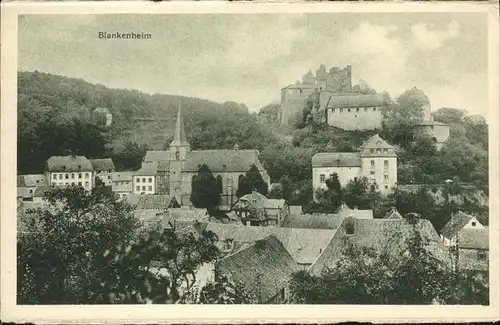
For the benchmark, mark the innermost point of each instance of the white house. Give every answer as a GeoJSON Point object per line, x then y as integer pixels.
{"type": "Point", "coordinates": [458, 222]}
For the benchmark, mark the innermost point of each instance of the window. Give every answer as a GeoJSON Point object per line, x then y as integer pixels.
{"type": "Point", "coordinates": [80, 183]}
{"type": "Point", "coordinates": [372, 173]}
{"type": "Point", "coordinates": [79, 175]}
{"type": "Point", "coordinates": [331, 177]}
{"type": "Point", "coordinates": [150, 188]}
{"type": "Point", "coordinates": [473, 224]}
{"type": "Point", "coordinates": [379, 151]}
{"type": "Point", "coordinates": [374, 109]}
{"type": "Point", "coordinates": [349, 110]}
{"type": "Point", "coordinates": [86, 175]}
{"type": "Point", "coordinates": [386, 187]}
{"type": "Point", "coordinates": [60, 176]}
{"type": "Point", "coordinates": [143, 188]}
{"type": "Point", "coordinates": [54, 176]}
{"type": "Point", "coordinates": [109, 176]}
{"type": "Point", "coordinates": [72, 183]}
{"type": "Point", "coordinates": [372, 151]}
{"type": "Point", "coordinates": [349, 229]}
{"type": "Point", "coordinates": [72, 176]}
{"type": "Point", "coordinates": [137, 188]}
{"type": "Point", "coordinates": [372, 163]}
{"type": "Point", "coordinates": [144, 180]}
{"type": "Point", "coordinates": [341, 110]}
{"type": "Point", "coordinates": [322, 178]}
{"type": "Point", "coordinates": [333, 110]}
{"type": "Point", "coordinates": [151, 179]}
{"type": "Point", "coordinates": [366, 109]}
{"type": "Point", "coordinates": [66, 183]}
{"type": "Point", "coordinates": [385, 151]}
{"type": "Point", "coordinates": [481, 255]}
{"type": "Point", "coordinates": [357, 109]}
{"type": "Point", "coordinates": [386, 164]}
{"type": "Point", "coordinates": [137, 179]}
{"type": "Point", "coordinates": [86, 184]}
{"type": "Point", "coordinates": [66, 176]}
{"type": "Point", "coordinates": [386, 177]}
{"type": "Point", "coordinates": [31, 191]}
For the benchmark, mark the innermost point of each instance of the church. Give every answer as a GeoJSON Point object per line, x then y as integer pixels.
{"type": "Point", "coordinates": [174, 169]}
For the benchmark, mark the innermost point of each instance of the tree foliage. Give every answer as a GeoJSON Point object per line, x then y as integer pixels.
{"type": "Point", "coordinates": [205, 192]}
{"type": "Point", "coordinates": [252, 181]}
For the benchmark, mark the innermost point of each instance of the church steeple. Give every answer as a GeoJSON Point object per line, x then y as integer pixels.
{"type": "Point", "coordinates": [179, 146]}
{"type": "Point", "coordinates": [180, 139]}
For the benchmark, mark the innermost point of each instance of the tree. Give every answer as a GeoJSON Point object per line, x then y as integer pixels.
{"type": "Point", "coordinates": [57, 254]}
{"type": "Point", "coordinates": [205, 192]}
{"type": "Point", "coordinates": [363, 88]}
{"type": "Point", "coordinates": [361, 194]}
{"type": "Point", "coordinates": [223, 290]}
{"type": "Point", "coordinates": [329, 200]}
{"type": "Point", "coordinates": [252, 181]}
{"type": "Point", "coordinates": [130, 157]}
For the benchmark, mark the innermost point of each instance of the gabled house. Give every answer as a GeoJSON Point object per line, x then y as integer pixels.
{"type": "Point", "coordinates": [121, 183]}
{"type": "Point", "coordinates": [457, 222]}
{"type": "Point", "coordinates": [472, 251]}
{"type": "Point", "coordinates": [69, 170]}
{"type": "Point", "coordinates": [26, 185]}
{"type": "Point", "coordinates": [393, 214]}
{"type": "Point", "coordinates": [382, 236]}
{"type": "Point", "coordinates": [263, 268]}
{"type": "Point", "coordinates": [304, 245]}
{"type": "Point", "coordinates": [103, 169]}
{"type": "Point", "coordinates": [255, 209]}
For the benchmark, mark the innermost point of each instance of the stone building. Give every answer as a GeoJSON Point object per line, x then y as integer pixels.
{"type": "Point", "coordinates": [375, 160]}
{"type": "Point", "coordinates": [354, 111]}
{"type": "Point", "coordinates": [69, 170]}
{"type": "Point", "coordinates": [180, 164]}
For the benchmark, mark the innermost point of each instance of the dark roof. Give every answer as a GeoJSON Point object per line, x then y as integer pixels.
{"type": "Point", "coordinates": [68, 164]}
{"type": "Point", "coordinates": [381, 235]}
{"type": "Point", "coordinates": [473, 238]}
{"type": "Point", "coordinates": [263, 268]}
{"type": "Point", "coordinates": [228, 160]}
{"type": "Point", "coordinates": [455, 224]}
{"type": "Point", "coordinates": [147, 169]}
{"type": "Point", "coordinates": [336, 159]}
{"type": "Point", "coordinates": [304, 245]}
{"type": "Point", "coordinates": [341, 101]}
{"type": "Point", "coordinates": [150, 201]}
{"type": "Point", "coordinates": [102, 164]}
{"type": "Point", "coordinates": [313, 221]}
{"type": "Point", "coordinates": [157, 155]}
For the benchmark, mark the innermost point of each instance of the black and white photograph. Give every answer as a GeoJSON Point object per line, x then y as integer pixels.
{"type": "Point", "coordinates": [266, 158]}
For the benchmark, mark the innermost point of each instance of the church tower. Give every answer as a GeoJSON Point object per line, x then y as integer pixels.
{"type": "Point", "coordinates": [179, 149]}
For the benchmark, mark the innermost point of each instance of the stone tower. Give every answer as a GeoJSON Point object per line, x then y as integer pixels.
{"type": "Point", "coordinates": [179, 149]}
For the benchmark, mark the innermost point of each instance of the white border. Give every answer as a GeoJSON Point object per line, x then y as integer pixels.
{"type": "Point", "coordinates": [224, 314]}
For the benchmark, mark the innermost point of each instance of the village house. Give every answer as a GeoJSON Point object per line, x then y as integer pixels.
{"type": "Point", "coordinates": [121, 183]}
{"type": "Point", "coordinates": [458, 222]}
{"type": "Point", "coordinates": [376, 160]}
{"type": "Point", "coordinates": [263, 268]}
{"type": "Point", "coordinates": [228, 167]}
{"type": "Point", "coordinates": [27, 184]}
{"type": "Point", "coordinates": [69, 170]}
{"type": "Point", "coordinates": [472, 251]}
{"type": "Point", "coordinates": [103, 169]}
{"type": "Point", "coordinates": [144, 180]}
{"type": "Point", "coordinates": [304, 245]}
{"type": "Point", "coordinates": [255, 209]}
{"type": "Point", "coordinates": [383, 236]}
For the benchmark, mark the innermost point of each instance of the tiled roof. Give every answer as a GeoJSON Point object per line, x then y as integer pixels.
{"type": "Point", "coordinates": [157, 155]}
{"type": "Point", "coordinates": [381, 235]}
{"type": "Point", "coordinates": [455, 224]}
{"type": "Point", "coordinates": [31, 180]}
{"type": "Point", "coordinates": [68, 164]}
{"type": "Point", "coordinates": [149, 215]}
{"type": "Point", "coordinates": [222, 160]}
{"type": "Point", "coordinates": [313, 221]}
{"type": "Point", "coordinates": [263, 268]}
{"type": "Point", "coordinates": [345, 211]}
{"type": "Point", "coordinates": [375, 142]}
{"type": "Point", "coordinates": [150, 201]}
{"type": "Point", "coordinates": [336, 159]}
{"type": "Point", "coordinates": [122, 176]}
{"type": "Point", "coordinates": [163, 166]}
{"type": "Point", "coordinates": [474, 238]}
{"type": "Point", "coordinates": [303, 244]}
{"type": "Point", "coordinates": [301, 86]}
{"type": "Point", "coordinates": [187, 214]}
{"type": "Point", "coordinates": [350, 101]}
{"type": "Point", "coordinates": [121, 181]}
{"type": "Point", "coordinates": [147, 170]}
{"type": "Point", "coordinates": [105, 164]}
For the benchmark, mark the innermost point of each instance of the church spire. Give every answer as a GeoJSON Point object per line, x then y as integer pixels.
{"type": "Point", "coordinates": [180, 139]}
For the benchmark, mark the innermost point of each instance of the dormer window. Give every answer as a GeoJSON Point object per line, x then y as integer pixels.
{"type": "Point", "coordinates": [338, 161]}
{"type": "Point", "coordinates": [379, 151]}
{"type": "Point", "coordinates": [372, 151]}
{"type": "Point", "coordinates": [473, 223]}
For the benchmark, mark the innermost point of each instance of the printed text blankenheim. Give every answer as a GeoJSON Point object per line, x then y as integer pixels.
{"type": "Point", "coordinates": [106, 35]}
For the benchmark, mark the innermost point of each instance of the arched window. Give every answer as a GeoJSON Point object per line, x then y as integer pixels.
{"type": "Point", "coordinates": [219, 182]}
{"type": "Point", "coordinates": [177, 156]}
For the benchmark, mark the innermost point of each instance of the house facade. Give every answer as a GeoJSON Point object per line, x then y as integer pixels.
{"type": "Point", "coordinates": [376, 160]}
{"type": "Point", "coordinates": [472, 250]}
{"type": "Point", "coordinates": [255, 209]}
{"type": "Point", "coordinates": [27, 184]}
{"type": "Point", "coordinates": [180, 164]}
{"type": "Point", "coordinates": [121, 183]}
{"type": "Point", "coordinates": [69, 170]}
{"type": "Point", "coordinates": [103, 169]}
{"type": "Point", "coordinates": [458, 221]}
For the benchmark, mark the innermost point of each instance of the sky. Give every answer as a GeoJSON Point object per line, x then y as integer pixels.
{"type": "Point", "coordinates": [248, 58]}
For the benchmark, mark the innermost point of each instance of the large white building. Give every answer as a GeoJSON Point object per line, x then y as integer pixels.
{"type": "Point", "coordinates": [69, 170]}
{"type": "Point", "coordinates": [375, 160]}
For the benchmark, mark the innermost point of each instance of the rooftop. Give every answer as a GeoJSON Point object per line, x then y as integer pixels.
{"type": "Point", "coordinates": [336, 159]}
{"type": "Point", "coordinates": [68, 164]}
{"type": "Point", "coordinates": [474, 238]}
{"type": "Point", "coordinates": [105, 164]}
{"type": "Point", "coordinates": [354, 101]}
{"type": "Point", "coordinates": [455, 224]}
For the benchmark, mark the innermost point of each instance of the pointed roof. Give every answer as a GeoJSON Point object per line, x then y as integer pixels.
{"type": "Point", "coordinates": [375, 142]}
{"type": "Point", "coordinates": [180, 139]}
{"type": "Point", "coordinates": [455, 224]}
